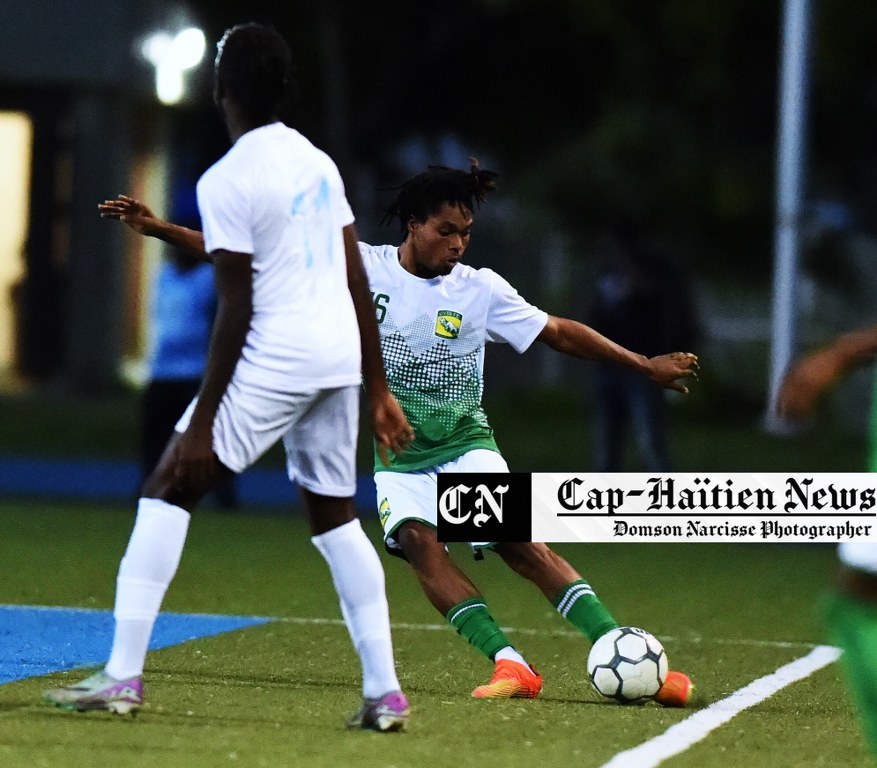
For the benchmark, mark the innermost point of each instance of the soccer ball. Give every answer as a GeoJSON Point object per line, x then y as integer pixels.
{"type": "Point", "coordinates": [627, 664]}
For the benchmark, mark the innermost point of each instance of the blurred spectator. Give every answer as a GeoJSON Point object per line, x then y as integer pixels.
{"type": "Point", "coordinates": [643, 302]}
{"type": "Point", "coordinates": [181, 320]}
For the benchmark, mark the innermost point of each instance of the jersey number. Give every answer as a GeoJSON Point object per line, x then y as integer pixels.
{"type": "Point", "coordinates": [380, 301]}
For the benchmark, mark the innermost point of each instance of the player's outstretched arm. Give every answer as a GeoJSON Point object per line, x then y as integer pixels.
{"type": "Point", "coordinates": [814, 374]}
{"type": "Point", "coordinates": [391, 428]}
{"type": "Point", "coordinates": [579, 340]}
{"type": "Point", "coordinates": [142, 220]}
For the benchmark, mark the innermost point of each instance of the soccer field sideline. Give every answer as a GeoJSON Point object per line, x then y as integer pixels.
{"type": "Point", "coordinates": [679, 737]}
{"type": "Point", "coordinates": [426, 627]}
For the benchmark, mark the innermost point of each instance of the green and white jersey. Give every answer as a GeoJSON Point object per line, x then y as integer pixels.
{"type": "Point", "coordinates": [433, 334]}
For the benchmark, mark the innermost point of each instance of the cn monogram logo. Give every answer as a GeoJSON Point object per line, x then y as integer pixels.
{"type": "Point", "coordinates": [483, 506]}
{"type": "Point", "coordinates": [456, 505]}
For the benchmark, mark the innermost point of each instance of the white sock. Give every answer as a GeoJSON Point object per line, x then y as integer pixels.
{"type": "Point", "coordinates": [510, 654]}
{"type": "Point", "coordinates": [359, 581]}
{"type": "Point", "coordinates": [145, 573]}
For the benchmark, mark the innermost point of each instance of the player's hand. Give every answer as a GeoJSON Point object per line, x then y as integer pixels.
{"type": "Point", "coordinates": [392, 430]}
{"type": "Point", "coordinates": [132, 212]}
{"type": "Point", "coordinates": [806, 381]}
{"type": "Point", "coordinates": [667, 370]}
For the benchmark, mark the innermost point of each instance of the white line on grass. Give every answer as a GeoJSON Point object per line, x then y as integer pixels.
{"type": "Point", "coordinates": [684, 734]}
{"type": "Point", "coordinates": [401, 625]}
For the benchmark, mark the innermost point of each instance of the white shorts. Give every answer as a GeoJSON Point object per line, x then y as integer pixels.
{"type": "Point", "coordinates": [318, 428]}
{"type": "Point", "coordinates": [404, 496]}
{"type": "Point", "coordinates": [861, 555]}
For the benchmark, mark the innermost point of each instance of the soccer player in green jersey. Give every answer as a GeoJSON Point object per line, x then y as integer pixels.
{"type": "Point", "coordinates": [435, 316]}
{"type": "Point", "coordinates": [852, 606]}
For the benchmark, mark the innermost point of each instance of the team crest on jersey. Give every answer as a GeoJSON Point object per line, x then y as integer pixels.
{"type": "Point", "coordinates": [447, 324]}
{"type": "Point", "coordinates": [384, 511]}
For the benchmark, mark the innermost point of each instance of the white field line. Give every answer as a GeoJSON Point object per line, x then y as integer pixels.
{"type": "Point", "coordinates": [305, 620]}
{"type": "Point", "coordinates": [416, 627]}
{"type": "Point", "coordinates": [684, 734]}
{"type": "Point", "coordinates": [401, 625]}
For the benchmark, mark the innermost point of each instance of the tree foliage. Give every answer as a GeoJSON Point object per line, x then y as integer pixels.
{"type": "Point", "coordinates": [665, 110]}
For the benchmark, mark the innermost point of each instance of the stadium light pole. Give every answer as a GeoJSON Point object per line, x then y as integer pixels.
{"type": "Point", "coordinates": [790, 168]}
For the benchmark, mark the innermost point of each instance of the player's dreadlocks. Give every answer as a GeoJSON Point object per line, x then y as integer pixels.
{"type": "Point", "coordinates": [254, 66]}
{"type": "Point", "coordinates": [423, 195]}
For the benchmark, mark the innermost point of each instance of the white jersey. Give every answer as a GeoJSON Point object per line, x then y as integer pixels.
{"type": "Point", "coordinates": [277, 197]}
{"type": "Point", "coordinates": [433, 334]}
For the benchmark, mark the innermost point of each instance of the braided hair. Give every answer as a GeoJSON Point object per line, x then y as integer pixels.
{"type": "Point", "coordinates": [424, 195]}
{"type": "Point", "coordinates": [254, 67]}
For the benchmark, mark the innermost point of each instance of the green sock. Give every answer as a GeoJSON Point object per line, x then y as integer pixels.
{"type": "Point", "coordinates": [578, 604]}
{"type": "Point", "coordinates": [473, 621]}
{"type": "Point", "coordinates": [853, 626]}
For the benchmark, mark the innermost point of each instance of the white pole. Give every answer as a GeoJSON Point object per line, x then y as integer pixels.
{"type": "Point", "coordinates": [790, 164]}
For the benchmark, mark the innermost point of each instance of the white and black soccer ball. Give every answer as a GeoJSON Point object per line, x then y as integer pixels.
{"type": "Point", "coordinates": [627, 664]}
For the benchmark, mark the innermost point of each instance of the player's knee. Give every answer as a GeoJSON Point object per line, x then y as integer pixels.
{"type": "Point", "coordinates": [161, 482]}
{"type": "Point", "coordinates": [419, 543]}
{"type": "Point", "coordinates": [325, 513]}
{"type": "Point", "coordinates": [170, 492]}
{"type": "Point", "coordinates": [164, 484]}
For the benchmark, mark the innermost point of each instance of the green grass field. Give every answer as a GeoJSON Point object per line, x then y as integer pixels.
{"type": "Point", "coordinates": [276, 695]}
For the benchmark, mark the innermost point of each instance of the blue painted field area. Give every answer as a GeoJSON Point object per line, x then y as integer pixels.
{"type": "Point", "coordinates": [36, 640]}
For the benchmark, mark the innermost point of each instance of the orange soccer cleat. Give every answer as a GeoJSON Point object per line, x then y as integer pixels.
{"type": "Point", "coordinates": [676, 690]}
{"type": "Point", "coordinates": [511, 680]}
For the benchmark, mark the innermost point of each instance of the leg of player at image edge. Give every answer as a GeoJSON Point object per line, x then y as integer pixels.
{"type": "Point", "coordinates": [851, 614]}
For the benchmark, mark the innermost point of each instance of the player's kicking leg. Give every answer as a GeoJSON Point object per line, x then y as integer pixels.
{"type": "Point", "coordinates": [575, 600]}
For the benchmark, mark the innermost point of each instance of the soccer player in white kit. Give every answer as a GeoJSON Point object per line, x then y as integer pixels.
{"type": "Point", "coordinates": [293, 338]}
{"type": "Point", "coordinates": [435, 316]}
